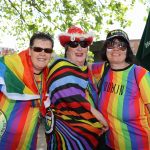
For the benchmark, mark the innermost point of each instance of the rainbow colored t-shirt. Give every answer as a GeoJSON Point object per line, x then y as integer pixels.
{"type": "Point", "coordinates": [122, 102]}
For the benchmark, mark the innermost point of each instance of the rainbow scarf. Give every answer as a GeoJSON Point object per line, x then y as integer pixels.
{"type": "Point", "coordinates": [19, 102]}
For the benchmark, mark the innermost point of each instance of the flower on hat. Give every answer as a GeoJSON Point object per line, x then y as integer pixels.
{"type": "Point", "coordinates": [75, 33]}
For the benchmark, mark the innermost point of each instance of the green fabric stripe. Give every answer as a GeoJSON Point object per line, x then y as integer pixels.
{"type": "Point", "coordinates": [10, 107]}
{"type": "Point", "coordinates": [11, 80]}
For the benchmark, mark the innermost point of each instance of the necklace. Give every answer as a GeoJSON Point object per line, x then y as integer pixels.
{"type": "Point", "coordinates": [38, 73]}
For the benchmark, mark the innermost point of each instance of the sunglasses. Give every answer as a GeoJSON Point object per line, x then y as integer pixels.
{"type": "Point", "coordinates": [40, 49]}
{"type": "Point", "coordinates": [74, 44]}
{"type": "Point", "coordinates": [120, 45]}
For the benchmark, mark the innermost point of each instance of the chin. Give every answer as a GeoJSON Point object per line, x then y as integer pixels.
{"type": "Point", "coordinates": [80, 63]}
{"type": "Point", "coordinates": [41, 67]}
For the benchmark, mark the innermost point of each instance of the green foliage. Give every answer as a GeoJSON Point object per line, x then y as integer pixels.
{"type": "Point", "coordinates": [90, 57]}
{"type": "Point", "coordinates": [21, 18]}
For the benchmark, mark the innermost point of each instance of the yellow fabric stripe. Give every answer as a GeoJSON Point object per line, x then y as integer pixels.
{"type": "Point", "coordinates": [7, 107]}
{"type": "Point", "coordinates": [96, 124]}
{"type": "Point", "coordinates": [63, 141]}
{"type": "Point", "coordinates": [65, 63]}
{"type": "Point", "coordinates": [17, 62]}
{"type": "Point", "coordinates": [29, 128]}
{"type": "Point", "coordinates": [27, 90]}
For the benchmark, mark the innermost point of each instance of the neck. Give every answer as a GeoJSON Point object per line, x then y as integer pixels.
{"type": "Point", "coordinates": [78, 63]}
{"type": "Point", "coordinates": [37, 73]}
{"type": "Point", "coordinates": [119, 66]}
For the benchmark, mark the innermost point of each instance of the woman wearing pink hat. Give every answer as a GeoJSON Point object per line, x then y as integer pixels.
{"type": "Point", "coordinates": [75, 123]}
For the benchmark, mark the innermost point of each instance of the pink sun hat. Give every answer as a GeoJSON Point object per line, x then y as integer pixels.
{"type": "Point", "coordinates": [75, 33]}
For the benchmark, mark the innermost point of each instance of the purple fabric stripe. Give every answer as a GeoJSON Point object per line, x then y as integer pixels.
{"type": "Point", "coordinates": [12, 124]}
{"type": "Point", "coordinates": [79, 139]}
{"type": "Point", "coordinates": [71, 91]}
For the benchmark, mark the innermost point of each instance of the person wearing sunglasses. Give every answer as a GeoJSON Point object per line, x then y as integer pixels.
{"type": "Point", "coordinates": [75, 123]}
{"type": "Point", "coordinates": [124, 98]}
{"type": "Point", "coordinates": [22, 93]}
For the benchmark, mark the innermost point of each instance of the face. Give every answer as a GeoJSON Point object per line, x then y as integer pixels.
{"type": "Point", "coordinates": [116, 52]}
{"type": "Point", "coordinates": [78, 54]}
{"type": "Point", "coordinates": [40, 59]}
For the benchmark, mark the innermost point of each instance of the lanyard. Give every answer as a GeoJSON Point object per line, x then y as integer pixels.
{"type": "Point", "coordinates": [38, 83]}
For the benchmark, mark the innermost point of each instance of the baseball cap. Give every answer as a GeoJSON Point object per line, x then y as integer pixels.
{"type": "Point", "coordinates": [118, 33]}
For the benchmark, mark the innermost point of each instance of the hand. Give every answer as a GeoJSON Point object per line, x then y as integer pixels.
{"type": "Point", "coordinates": [100, 117]}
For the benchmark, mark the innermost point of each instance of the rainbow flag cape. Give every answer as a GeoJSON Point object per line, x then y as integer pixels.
{"type": "Point", "coordinates": [19, 102]}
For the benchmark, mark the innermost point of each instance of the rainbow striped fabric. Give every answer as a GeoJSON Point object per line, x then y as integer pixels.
{"type": "Point", "coordinates": [19, 102]}
{"type": "Point", "coordinates": [122, 102]}
{"type": "Point", "coordinates": [72, 95]}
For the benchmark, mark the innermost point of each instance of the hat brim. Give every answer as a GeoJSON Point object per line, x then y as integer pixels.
{"type": "Point", "coordinates": [119, 36]}
{"type": "Point", "coordinates": [64, 39]}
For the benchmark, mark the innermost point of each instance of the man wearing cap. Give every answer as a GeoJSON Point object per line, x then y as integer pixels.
{"type": "Point", "coordinates": [75, 123]}
{"type": "Point", "coordinates": [124, 97]}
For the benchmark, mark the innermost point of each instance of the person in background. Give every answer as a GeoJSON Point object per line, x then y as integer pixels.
{"type": "Point", "coordinates": [75, 123]}
{"type": "Point", "coordinates": [124, 98]}
{"type": "Point", "coordinates": [22, 91]}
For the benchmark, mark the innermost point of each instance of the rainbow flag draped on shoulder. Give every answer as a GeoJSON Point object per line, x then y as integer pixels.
{"type": "Point", "coordinates": [16, 82]}
{"type": "Point", "coordinates": [20, 102]}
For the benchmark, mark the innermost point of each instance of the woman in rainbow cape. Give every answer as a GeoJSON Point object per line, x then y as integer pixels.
{"type": "Point", "coordinates": [124, 99]}
{"type": "Point", "coordinates": [22, 91]}
{"type": "Point", "coordinates": [75, 123]}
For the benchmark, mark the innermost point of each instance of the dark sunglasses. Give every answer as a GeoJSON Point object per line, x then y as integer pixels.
{"type": "Point", "coordinates": [75, 44]}
{"type": "Point", "coordinates": [120, 45]}
{"type": "Point", "coordinates": [40, 49]}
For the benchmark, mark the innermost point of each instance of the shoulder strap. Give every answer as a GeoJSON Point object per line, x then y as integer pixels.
{"type": "Point", "coordinates": [135, 75]}
{"type": "Point", "coordinates": [99, 85]}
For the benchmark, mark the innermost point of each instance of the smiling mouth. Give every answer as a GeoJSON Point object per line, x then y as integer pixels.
{"type": "Point", "coordinates": [115, 54]}
{"type": "Point", "coordinates": [79, 54]}
{"type": "Point", "coordinates": [41, 59]}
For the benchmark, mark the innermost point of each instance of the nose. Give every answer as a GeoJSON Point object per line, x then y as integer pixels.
{"type": "Point", "coordinates": [42, 52]}
{"type": "Point", "coordinates": [116, 47]}
{"type": "Point", "coordinates": [79, 48]}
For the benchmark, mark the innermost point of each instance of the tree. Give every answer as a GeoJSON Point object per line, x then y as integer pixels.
{"type": "Point", "coordinates": [21, 18]}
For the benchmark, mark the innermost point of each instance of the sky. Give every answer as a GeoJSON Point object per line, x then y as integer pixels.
{"type": "Point", "coordinates": [136, 15]}
{"type": "Point", "coordinates": [134, 31]}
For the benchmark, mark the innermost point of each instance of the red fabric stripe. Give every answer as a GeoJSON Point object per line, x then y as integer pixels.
{"type": "Point", "coordinates": [28, 70]}
{"type": "Point", "coordinates": [16, 139]}
{"type": "Point", "coordinates": [29, 80]}
{"type": "Point", "coordinates": [66, 70]}
{"type": "Point", "coordinates": [74, 105]}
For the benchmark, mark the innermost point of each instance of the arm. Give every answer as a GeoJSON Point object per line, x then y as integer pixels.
{"type": "Point", "coordinates": [100, 118]}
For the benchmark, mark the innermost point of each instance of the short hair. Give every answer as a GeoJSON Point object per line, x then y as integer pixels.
{"type": "Point", "coordinates": [130, 58]}
{"type": "Point", "coordinates": [42, 36]}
